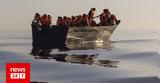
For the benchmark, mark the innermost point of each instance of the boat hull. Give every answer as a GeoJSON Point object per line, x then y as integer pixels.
{"type": "Point", "coordinates": [75, 38]}
{"type": "Point", "coordinates": [90, 37]}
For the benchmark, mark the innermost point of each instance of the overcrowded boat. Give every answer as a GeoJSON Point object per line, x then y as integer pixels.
{"type": "Point", "coordinates": [77, 33]}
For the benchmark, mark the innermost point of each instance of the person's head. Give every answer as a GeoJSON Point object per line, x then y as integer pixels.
{"type": "Point", "coordinates": [105, 11]}
{"type": "Point", "coordinates": [59, 18]}
{"type": "Point", "coordinates": [84, 16]}
{"type": "Point", "coordinates": [73, 17]}
{"type": "Point", "coordinates": [93, 9]}
{"type": "Point", "coordinates": [80, 16]}
{"type": "Point", "coordinates": [45, 16]}
{"type": "Point", "coordinates": [49, 16]}
{"type": "Point", "coordinates": [64, 18]}
{"type": "Point", "coordinates": [37, 16]}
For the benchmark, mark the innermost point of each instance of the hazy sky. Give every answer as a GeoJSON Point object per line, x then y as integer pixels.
{"type": "Point", "coordinates": [17, 15]}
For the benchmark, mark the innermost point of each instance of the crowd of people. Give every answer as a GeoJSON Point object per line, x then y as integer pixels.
{"type": "Point", "coordinates": [106, 19]}
{"type": "Point", "coordinates": [44, 20]}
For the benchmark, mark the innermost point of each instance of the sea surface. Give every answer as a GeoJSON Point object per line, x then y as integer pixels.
{"type": "Point", "coordinates": [137, 54]}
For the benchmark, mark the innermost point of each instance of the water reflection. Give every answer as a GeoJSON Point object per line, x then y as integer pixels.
{"type": "Point", "coordinates": [79, 59]}
{"type": "Point", "coordinates": [81, 44]}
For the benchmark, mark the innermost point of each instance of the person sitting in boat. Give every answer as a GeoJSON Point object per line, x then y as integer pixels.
{"type": "Point", "coordinates": [46, 24]}
{"type": "Point", "coordinates": [44, 19]}
{"type": "Point", "coordinates": [65, 21]}
{"type": "Point", "coordinates": [73, 21]}
{"type": "Point", "coordinates": [102, 20]}
{"type": "Point", "coordinates": [59, 21]}
{"type": "Point", "coordinates": [92, 23]}
{"type": "Point", "coordinates": [49, 20]}
{"type": "Point", "coordinates": [78, 21]}
{"type": "Point", "coordinates": [85, 21]}
{"type": "Point", "coordinates": [68, 20]}
{"type": "Point", "coordinates": [114, 20]}
{"type": "Point", "coordinates": [105, 18]}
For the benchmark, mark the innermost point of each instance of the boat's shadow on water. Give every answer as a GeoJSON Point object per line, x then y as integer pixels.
{"type": "Point", "coordinates": [79, 59]}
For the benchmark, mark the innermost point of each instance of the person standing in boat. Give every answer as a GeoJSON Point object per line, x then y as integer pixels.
{"type": "Point", "coordinates": [91, 17]}
{"type": "Point", "coordinates": [92, 13]}
{"type": "Point", "coordinates": [35, 30]}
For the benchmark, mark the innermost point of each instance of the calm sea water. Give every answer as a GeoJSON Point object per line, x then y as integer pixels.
{"type": "Point", "coordinates": [137, 53]}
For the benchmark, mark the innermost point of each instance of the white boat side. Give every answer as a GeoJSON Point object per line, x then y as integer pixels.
{"type": "Point", "coordinates": [91, 32]}
{"type": "Point", "coordinates": [90, 37]}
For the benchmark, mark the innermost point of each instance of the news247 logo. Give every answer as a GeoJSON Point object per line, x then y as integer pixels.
{"type": "Point", "coordinates": [17, 73]}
